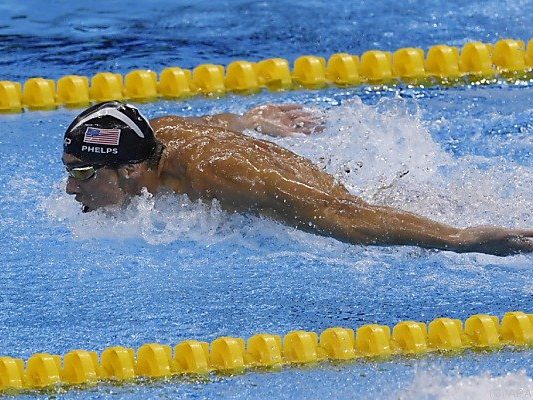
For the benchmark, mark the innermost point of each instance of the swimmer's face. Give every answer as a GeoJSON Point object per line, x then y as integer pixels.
{"type": "Point", "coordinates": [101, 190]}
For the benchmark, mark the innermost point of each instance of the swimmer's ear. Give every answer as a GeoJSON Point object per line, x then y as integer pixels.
{"type": "Point", "coordinates": [130, 171]}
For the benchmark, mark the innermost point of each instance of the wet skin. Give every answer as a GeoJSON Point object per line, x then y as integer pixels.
{"type": "Point", "coordinates": [208, 158]}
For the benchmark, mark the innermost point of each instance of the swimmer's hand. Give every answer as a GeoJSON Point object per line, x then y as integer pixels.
{"type": "Point", "coordinates": [282, 120]}
{"type": "Point", "coordinates": [495, 240]}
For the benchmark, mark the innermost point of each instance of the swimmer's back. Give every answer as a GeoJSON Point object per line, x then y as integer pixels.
{"type": "Point", "coordinates": [239, 170]}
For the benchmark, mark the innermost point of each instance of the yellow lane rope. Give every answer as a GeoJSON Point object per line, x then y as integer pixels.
{"type": "Point", "coordinates": [231, 355]}
{"type": "Point", "coordinates": [476, 62]}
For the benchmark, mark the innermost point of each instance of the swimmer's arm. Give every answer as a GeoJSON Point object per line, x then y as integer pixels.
{"type": "Point", "coordinates": [268, 119]}
{"type": "Point", "coordinates": [361, 223]}
{"type": "Point", "coordinates": [355, 221]}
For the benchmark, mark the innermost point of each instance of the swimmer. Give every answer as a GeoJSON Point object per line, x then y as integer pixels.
{"type": "Point", "coordinates": [112, 152]}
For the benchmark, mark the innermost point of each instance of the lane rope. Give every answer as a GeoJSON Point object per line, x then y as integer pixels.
{"type": "Point", "coordinates": [231, 355]}
{"type": "Point", "coordinates": [476, 63]}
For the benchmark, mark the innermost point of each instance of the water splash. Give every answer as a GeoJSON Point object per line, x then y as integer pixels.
{"type": "Point", "coordinates": [435, 385]}
{"type": "Point", "coordinates": [387, 154]}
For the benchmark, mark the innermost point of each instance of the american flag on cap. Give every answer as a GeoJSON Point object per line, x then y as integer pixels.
{"type": "Point", "coordinates": [109, 137]}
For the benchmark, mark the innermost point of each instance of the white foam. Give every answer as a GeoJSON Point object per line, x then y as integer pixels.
{"type": "Point", "coordinates": [167, 218]}
{"type": "Point", "coordinates": [392, 159]}
{"type": "Point", "coordinates": [435, 385]}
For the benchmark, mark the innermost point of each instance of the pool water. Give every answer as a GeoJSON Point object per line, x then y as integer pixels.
{"type": "Point", "coordinates": [168, 269]}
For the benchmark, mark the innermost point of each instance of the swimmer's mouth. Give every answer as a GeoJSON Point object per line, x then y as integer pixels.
{"type": "Point", "coordinates": [84, 208]}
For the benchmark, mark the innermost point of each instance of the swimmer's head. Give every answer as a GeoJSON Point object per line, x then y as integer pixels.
{"type": "Point", "coordinates": [110, 133]}
{"type": "Point", "coordinates": [109, 150]}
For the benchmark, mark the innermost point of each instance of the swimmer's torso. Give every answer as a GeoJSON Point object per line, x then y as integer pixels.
{"type": "Point", "coordinates": [241, 172]}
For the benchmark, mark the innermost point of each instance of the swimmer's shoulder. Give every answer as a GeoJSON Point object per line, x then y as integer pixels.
{"type": "Point", "coordinates": [173, 127]}
{"type": "Point", "coordinates": [167, 122]}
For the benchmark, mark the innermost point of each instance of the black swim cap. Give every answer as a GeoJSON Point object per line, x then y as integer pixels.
{"type": "Point", "coordinates": [110, 133]}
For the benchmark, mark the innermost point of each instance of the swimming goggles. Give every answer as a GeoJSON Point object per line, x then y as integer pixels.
{"type": "Point", "coordinates": [83, 173]}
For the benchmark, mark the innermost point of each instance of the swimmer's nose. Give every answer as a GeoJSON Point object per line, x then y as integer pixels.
{"type": "Point", "coordinates": [72, 186]}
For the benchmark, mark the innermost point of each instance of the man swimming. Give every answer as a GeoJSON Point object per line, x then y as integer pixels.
{"type": "Point", "coordinates": [112, 152]}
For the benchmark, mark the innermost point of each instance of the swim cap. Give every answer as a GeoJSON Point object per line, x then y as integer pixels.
{"type": "Point", "coordinates": [110, 133]}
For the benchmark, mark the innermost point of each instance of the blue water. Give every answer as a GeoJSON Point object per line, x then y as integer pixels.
{"type": "Point", "coordinates": [167, 269]}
